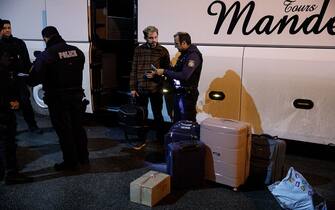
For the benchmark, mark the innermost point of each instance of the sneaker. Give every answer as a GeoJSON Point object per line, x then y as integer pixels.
{"type": "Point", "coordinates": [65, 167]}
{"type": "Point", "coordinates": [17, 178]}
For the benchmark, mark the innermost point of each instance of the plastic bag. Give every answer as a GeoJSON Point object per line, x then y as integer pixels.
{"type": "Point", "coordinates": [294, 192]}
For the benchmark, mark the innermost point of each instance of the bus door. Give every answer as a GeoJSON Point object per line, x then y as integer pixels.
{"type": "Point", "coordinates": [113, 32]}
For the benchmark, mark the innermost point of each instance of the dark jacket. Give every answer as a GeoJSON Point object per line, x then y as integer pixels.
{"type": "Point", "coordinates": [8, 92]}
{"type": "Point", "coordinates": [59, 68]}
{"type": "Point", "coordinates": [17, 49]}
{"type": "Point", "coordinates": [188, 68]}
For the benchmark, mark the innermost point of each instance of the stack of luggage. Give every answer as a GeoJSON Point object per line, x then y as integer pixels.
{"type": "Point", "coordinates": [185, 155]}
{"type": "Point", "coordinates": [223, 151]}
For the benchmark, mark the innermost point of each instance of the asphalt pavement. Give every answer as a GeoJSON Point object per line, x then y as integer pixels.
{"type": "Point", "coordinates": [114, 164]}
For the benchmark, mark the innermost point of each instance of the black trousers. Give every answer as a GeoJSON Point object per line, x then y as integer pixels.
{"type": "Point", "coordinates": [66, 112]}
{"type": "Point", "coordinates": [185, 105]}
{"type": "Point", "coordinates": [156, 101]}
{"type": "Point", "coordinates": [25, 104]}
{"type": "Point", "coordinates": [7, 141]}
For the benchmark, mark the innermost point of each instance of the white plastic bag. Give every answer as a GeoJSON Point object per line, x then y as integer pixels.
{"type": "Point", "coordinates": [294, 192]}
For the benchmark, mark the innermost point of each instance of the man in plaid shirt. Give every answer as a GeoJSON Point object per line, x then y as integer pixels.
{"type": "Point", "coordinates": [143, 85]}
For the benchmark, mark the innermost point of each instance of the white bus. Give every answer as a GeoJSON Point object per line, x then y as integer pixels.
{"type": "Point", "coordinates": [269, 63]}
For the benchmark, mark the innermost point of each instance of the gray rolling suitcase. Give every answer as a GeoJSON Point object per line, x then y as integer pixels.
{"type": "Point", "coordinates": [228, 144]}
{"type": "Point", "coordinates": [267, 159]}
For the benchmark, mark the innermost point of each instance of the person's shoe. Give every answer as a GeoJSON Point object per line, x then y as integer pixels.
{"type": "Point", "coordinates": [85, 165]}
{"type": "Point", "coordinates": [65, 167]}
{"type": "Point", "coordinates": [17, 178]}
{"type": "Point", "coordinates": [35, 129]}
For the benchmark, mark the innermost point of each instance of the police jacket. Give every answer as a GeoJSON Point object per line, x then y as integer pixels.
{"type": "Point", "coordinates": [188, 68]}
{"type": "Point", "coordinates": [59, 68]}
{"type": "Point", "coordinates": [8, 92]}
{"type": "Point", "coordinates": [19, 56]}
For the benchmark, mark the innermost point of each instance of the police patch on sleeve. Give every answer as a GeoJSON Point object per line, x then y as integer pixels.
{"type": "Point", "coordinates": [191, 63]}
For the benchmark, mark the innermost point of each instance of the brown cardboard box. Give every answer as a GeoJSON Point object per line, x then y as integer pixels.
{"type": "Point", "coordinates": [150, 188]}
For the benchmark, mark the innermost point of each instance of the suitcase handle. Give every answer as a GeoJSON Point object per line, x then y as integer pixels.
{"type": "Point", "coordinates": [185, 127]}
{"type": "Point", "coordinates": [187, 146]}
{"type": "Point", "coordinates": [186, 124]}
{"type": "Point", "coordinates": [268, 136]}
{"type": "Point", "coordinates": [193, 137]}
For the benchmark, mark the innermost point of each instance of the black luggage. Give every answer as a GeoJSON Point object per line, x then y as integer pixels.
{"type": "Point", "coordinates": [133, 120]}
{"type": "Point", "coordinates": [267, 159]}
{"type": "Point", "coordinates": [186, 163]}
{"type": "Point", "coordinates": [183, 130]}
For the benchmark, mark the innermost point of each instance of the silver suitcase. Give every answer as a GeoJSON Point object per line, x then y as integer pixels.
{"type": "Point", "coordinates": [228, 147]}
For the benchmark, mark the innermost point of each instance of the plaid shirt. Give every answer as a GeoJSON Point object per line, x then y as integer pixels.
{"type": "Point", "coordinates": [144, 56]}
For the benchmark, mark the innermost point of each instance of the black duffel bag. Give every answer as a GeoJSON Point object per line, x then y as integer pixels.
{"type": "Point", "coordinates": [133, 120]}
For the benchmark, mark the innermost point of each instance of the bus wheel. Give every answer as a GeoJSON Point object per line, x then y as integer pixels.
{"type": "Point", "coordinates": [37, 102]}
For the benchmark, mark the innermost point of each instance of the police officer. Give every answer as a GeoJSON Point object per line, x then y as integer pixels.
{"type": "Point", "coordinates": [21, 64]}
{"type": "Point", "coordinates": [60, 70]}
{"type": "Point", "coordinates": [186, 75]}
{"type": "Point", "coordinates": [8, 102]}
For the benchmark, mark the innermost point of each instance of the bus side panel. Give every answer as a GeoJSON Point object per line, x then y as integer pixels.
{"type": "Point", "coordinates": [221, 73]}
{"type": "Point", "coordinates": [70, 18]}
{"type": "Point", "coordinates": [232, 22]}
{"type": "Point", "coordinates": [275, 81]}
{"type": "Point", "coordinates": [27, 21]}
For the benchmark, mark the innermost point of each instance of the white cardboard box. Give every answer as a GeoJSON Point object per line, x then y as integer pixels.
{"type": "Point", "coordinates": [150, 188]}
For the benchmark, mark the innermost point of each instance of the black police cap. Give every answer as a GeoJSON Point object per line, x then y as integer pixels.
{"type": "Point", "coordinates": [50, 31]}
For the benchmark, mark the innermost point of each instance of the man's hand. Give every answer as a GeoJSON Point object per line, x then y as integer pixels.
{"type": "Point", "coordinates": [160, 72]}
{"type": "Point", "coordinates": [14, 105]}
{"type": "Point", "coordinates": [134, 93]}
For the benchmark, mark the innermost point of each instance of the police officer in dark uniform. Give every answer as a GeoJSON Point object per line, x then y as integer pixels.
{"type": "Point", "coordinates": [60, 70]}
{"type": "Point", "coordinates": [185, 75]}
{"type": "Point", "coordinates": [8, 102]}
{"type": "Point", "coordinates": [20, 64]}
